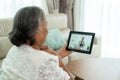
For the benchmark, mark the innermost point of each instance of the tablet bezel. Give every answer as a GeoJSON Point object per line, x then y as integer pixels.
{"type": "Point", "coordinates": [84, 33]}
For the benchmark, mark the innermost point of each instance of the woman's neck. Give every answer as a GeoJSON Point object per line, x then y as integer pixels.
{"type": "Point", "coordinates": [36, 47]}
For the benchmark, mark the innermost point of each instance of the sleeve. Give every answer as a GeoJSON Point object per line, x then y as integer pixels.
{"type": "Point", "coordinates": [51, 71]}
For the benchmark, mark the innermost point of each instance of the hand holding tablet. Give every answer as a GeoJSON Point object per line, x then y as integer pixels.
{"type": "Point", "coordinates": [80, 41]}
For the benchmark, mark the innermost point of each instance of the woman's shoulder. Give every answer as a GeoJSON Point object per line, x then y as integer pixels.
{"type": "Point", "coordinates": [44, 56]}
{"type": "Point", "coordinates": [29, 52]}
{"type": "Point", "coordinates": [12, 50]}
{"type": "Point", "coordinates": [38, 54]}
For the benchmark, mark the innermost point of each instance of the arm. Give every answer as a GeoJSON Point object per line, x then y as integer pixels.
{"type": "Point", "coordinates": [61, 64]}
{"type": "Point", "coordinates": [62, 52]}
{"type": "Point", "coordinates": [60, 56]}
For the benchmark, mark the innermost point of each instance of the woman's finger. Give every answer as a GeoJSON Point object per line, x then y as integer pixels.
{"type": "Point", "coordinates": [43, 47]}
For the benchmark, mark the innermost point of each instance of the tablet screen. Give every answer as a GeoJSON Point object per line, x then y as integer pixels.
{"type": "Point", "coordinates": [80, 41]}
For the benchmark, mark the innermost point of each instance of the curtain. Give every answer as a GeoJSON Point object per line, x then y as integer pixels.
{"type": "Point", "coordinates": [8, 8]}
{"type": "Point", "coordinates": [103, 18]}
{"type": "Point", "coordinates": [111, 29]}
{"type": "Point", "coordinates": [78, 14]}
{"type": "Point", "coordinates": [62, 6]}
{"type": "Point", "coordinates": [53, 6]}
{"type": "Point", "coordinates": [66, 6]}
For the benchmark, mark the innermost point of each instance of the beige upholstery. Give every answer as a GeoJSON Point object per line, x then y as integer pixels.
{"type": "Point", "coordinates": [5, 26]}
{"type": "Point", "coordinates": [58, 21]}
{"type": "Point", "coordinates": [5, 45]}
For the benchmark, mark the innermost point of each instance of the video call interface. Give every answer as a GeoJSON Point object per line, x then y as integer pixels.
{"type": "Point", "coordinates": [80, 42]}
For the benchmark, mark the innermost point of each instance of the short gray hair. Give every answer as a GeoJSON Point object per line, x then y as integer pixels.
{"type": "Point", "coordinates": [26, 22]}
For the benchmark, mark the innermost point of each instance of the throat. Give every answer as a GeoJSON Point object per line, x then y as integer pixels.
{"type": "Point", "coordinates": [36, 47]}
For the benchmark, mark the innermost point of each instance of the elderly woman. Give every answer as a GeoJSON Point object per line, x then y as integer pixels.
{"type": "Point", "coordinates": [29, 59]}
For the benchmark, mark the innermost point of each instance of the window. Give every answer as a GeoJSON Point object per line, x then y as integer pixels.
{"type": "Point", "coordinates": [8, 8]}
{"type": "Point", "coordinates": [103, 18]}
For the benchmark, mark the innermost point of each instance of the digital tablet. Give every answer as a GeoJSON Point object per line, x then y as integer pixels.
{"type": "Point", "coordinates": [80, 41]}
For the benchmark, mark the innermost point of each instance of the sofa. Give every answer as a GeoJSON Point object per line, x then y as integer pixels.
{"type": "Point", "coordinates": [55, 21]}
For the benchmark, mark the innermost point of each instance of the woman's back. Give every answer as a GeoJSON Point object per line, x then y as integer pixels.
{"type": "Point", "coordinates": [26, 63]}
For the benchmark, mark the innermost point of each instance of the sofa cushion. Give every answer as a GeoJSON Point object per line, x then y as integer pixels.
{"type": "Point", "coordinates": [54, 39]}
{"type": "Point", "coordinates": [65, 60]}
{"type": "Point", "coordinates": [65, 33]}
{"type": "Point", "coordinates": [5, 45]}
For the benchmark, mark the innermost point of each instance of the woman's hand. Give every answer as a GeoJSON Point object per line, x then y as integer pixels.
{"type": "Point", "coordinates": [63, 52]}
{"type": "Point", "coordinates": [48, 49]}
